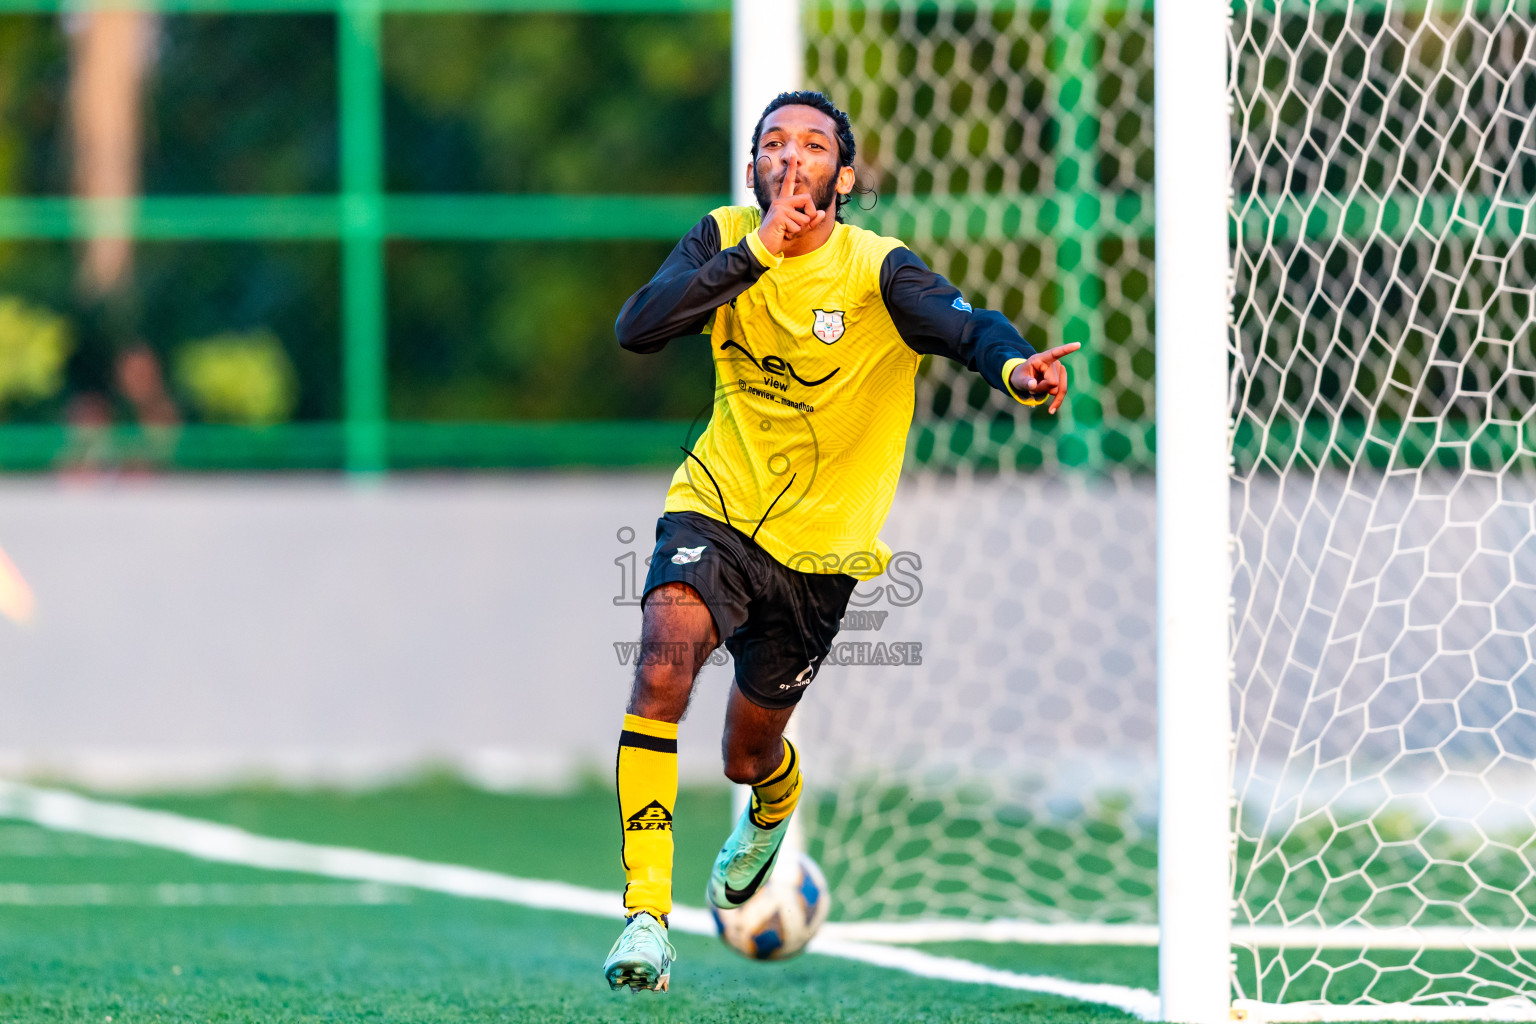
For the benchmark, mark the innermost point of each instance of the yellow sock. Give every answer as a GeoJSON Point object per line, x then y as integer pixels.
{"type": "Point", "coordinates": [647, 780]}
{"type": "Point", "coordinates": [775, 797]}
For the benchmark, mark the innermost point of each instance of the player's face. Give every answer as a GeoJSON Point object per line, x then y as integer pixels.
{"type": "Point", "coordinates": [808, 135]}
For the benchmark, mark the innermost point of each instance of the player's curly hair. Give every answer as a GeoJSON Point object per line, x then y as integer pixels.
{"type": "Point", "coordinates": [846, 147]}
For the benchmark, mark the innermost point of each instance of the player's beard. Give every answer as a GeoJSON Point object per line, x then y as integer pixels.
{"type": "Point", "coordinates": [823, 193]}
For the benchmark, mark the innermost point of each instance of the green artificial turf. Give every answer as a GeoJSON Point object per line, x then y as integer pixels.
{"type": "Point", "coordinates": [575, 841]}
{"type": "Point", "coordinates": [434, 959]}
{"type": "Point", "coordinates": [1135, 966]}
{"type": "Point", "coordinates": [562, 837]}
{"type": "Point", "coordinates": [430, 958]}
{"type": "Point", "coordinates": [426, 957]}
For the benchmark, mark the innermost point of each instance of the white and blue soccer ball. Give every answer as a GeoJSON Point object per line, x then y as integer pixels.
{"type": "Point", "coordinates": [782, 916]}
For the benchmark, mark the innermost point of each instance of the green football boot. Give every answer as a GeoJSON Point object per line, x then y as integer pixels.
{"type": "Point", "coordinates": [745, 861]}
{"type": "Point", "coordinates": [642, 957]}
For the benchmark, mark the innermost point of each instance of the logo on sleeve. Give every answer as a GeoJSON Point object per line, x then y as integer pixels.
{"type": "Point", "coordinates": [651, 818]}
{"type": "Point", "coordinates": [961, 304]}
{"type": "Point", "coordinates": [829, 324]}
{"type": "Point", "coordinates": [686, 555]}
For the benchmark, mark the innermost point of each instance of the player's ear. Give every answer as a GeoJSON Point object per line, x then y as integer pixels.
{"type": "Point", "coordinates": [845, 178]}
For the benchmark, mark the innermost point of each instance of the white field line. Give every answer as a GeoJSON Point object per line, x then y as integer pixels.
{"type": "Point", "coordinates": [1511, 1009]}
{"type": "Point", "coordinates": [1364, 937]}
{"type": "Point", "coordinates": [206, 840]}
{"type": "Point", "coordinates": [1137, 1001]}
{"type": "Point", "coordinates": [1028, 933]}
{"type": "Point", "coordinates": [1255, 936]}
{"type": "Point", "coordinates": [198, 894]}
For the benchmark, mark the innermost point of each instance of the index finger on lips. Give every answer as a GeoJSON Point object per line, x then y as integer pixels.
{"type": "Point", "coordinates": [787, 186]}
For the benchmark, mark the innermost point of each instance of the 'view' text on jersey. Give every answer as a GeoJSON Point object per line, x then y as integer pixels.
{"type": "Point", "coordinates": [815, 359]}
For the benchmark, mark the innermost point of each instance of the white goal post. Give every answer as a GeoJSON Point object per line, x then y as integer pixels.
{"type": "Point", "coordinates": [1193, 577]}
{"type": "Point", "coordinates": [767, 58]}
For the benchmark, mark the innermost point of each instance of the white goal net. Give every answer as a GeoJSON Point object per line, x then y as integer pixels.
{"type": "Point", "coordinates": [1012, 776]}
{"type": "Point", "coordinates": [1384, 258]}
{"type": "Point", "coordinates": [1384, 565]}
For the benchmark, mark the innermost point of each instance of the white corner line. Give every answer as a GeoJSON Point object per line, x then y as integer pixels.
{"type": "Point", "coordinates": [206, 840]}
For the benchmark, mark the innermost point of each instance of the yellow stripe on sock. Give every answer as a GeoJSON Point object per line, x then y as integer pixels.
{"type": "Point", "coordinates": [650, 727]}
{"type": "Point", "coordinates": [774, 798]}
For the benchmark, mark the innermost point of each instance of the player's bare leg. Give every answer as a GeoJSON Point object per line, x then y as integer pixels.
{"type": "Point", "coordinates": [753, 744]}
{"type": "Point", "coordinates": [676, 637]}
{"type": "Point", "coordinates": [756, 754]}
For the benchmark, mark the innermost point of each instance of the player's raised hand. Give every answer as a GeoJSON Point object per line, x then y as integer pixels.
{"type": "Point", "coordinates": [791, 212]}
{"type": "Point", "coordinates": [1042, 374]}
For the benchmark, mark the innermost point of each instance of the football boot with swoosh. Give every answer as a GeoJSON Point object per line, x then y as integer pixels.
{"type": "Point", "coordinates": [745, 861]}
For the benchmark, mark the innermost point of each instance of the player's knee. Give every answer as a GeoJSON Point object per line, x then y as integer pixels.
{"type": "Point", "coordinates": [742, 772]}
{"type": "Point", "coordinates": [661, 691]}
{"type": "Point", "coordinates": [746, 767]}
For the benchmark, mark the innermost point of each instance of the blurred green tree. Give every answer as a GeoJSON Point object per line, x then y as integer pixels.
{"type": "Point", "coordinates": [546, 103]}
{"type": "Point", "coordinates": [559, 103]}
{"type": "Point", "coordinates": [34, 76]}
{"type": "Point", "coordinates": [245, 378]}
{"type": "Point", "coordinates": [34, 344]}
{"type": "Point", "coordinates": [534, 103]}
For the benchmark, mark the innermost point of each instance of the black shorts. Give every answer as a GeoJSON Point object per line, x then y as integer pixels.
{"type": "Point", "coordinates": [777, 623]}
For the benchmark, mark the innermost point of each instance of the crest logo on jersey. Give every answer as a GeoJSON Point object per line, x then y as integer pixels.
{"type": "Point", "coordinates": [829, 324]}
{"type": "Point", "coordinates": [961, 304]}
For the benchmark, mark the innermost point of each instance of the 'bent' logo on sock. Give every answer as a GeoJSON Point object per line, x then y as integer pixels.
{"type": "Point", "coordinates": [650, 817]}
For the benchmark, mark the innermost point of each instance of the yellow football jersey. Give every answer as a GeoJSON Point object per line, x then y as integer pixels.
{"type": "Point", "coordinates": [814, 382]}
{"type": "Point", "coordinates": [813, 400]}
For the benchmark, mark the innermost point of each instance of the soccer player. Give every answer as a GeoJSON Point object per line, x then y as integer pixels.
{"type": "Point", "coordinates": [816, 329]}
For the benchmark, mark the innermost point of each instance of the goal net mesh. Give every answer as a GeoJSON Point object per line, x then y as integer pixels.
{"type": "Point", "coordinates": [1384, 584]}
{"type": "Point", "coordinates": [1384, 565]}
{"type": "Point", "coordinates": [1013, 773]}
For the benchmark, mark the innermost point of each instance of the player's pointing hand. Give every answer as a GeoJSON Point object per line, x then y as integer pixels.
{"type": "Point", "coordinates": [1042, 374]}
{"type": "Point", "coordinates": [791, 212]}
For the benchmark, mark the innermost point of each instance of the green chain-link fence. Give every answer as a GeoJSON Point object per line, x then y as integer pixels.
{"type": "Point", "coordinates": [1026, 179]}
